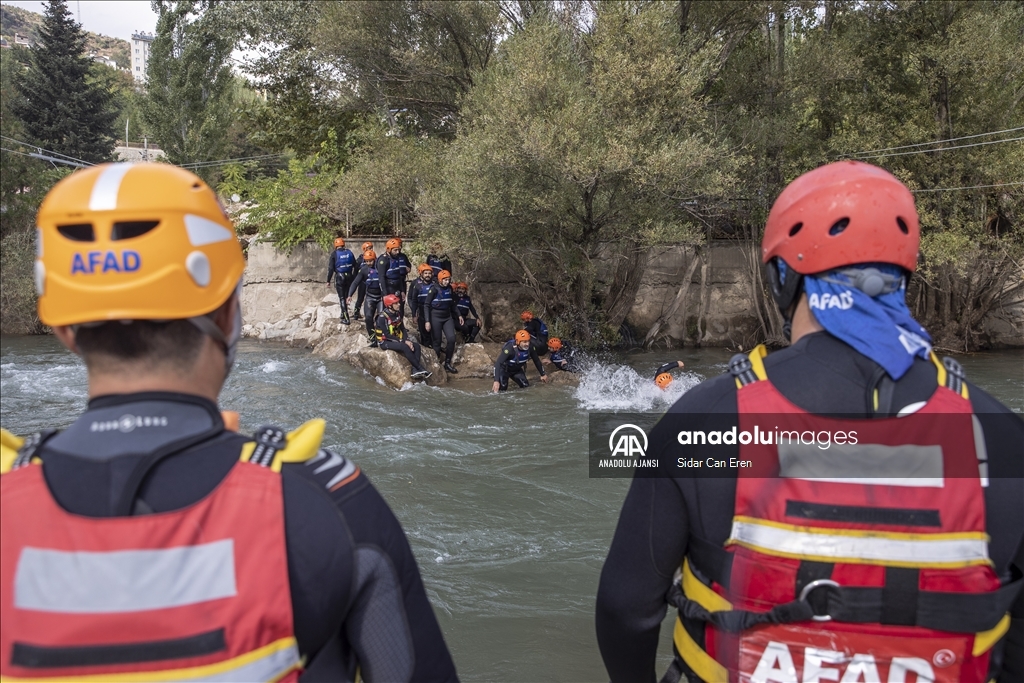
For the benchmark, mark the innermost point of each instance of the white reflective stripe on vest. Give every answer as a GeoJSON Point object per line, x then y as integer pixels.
{"type": "Point", "coordinates": [907, 465]}
{"type": "Point", "coordinates": [123, 580]}
{"type": "Point", "coordinates": [907, 548]}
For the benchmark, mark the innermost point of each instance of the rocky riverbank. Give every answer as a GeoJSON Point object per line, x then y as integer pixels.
{"type": "Point", "coordinates": [316, 327]}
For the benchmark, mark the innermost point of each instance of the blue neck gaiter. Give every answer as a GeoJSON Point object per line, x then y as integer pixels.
{"type": "Point", "coordinates": [865, 306]}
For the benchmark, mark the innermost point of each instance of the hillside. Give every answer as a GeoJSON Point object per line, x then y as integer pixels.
{"type": "Point", "coordinates": [25, 23]}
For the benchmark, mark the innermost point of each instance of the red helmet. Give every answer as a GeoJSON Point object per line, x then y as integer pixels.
{"type": "Point", "coordinates": [339, 243]}
{"type": "Point", "coordinates": [522, 336]}
{"type": "Point", "coordinates": [841, 214]}
{"type": "Point", "coordinates": [554, 344]}
{"type": "Point", "coordinates": [526, 316]}
{"type": "Point", "coordinates": [391, 299]}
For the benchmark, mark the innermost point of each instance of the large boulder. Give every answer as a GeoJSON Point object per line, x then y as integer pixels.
{"type": "Point", "coordinates": [475, 360]}
{"type": "Point", "coordinates": [349, 343]}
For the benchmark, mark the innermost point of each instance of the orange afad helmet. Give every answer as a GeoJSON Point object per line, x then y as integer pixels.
{"type": "Point", "coordinates": [424, 268]}
{"type": "Point", "coordinates": [526, 316]}
{"type": "Point", "coordinates": [133, 242]}
{"type": "Point", "coordinates": [461, 287]}
{"type": "Point", "coordinates": [444, 274]}
{"type": "Point", "coordinates": [367, 246]}
{"type": "Point", "coordinates": [369, 255]}
{"type": "Point", "coordinates": [339, 243]}
{"type": "Point", "coordinates": [393, 243]}
{"type": "Point", "coordinates": [662, 380]}
{"type": "Point", "coordinates": [554, 344]}
{"type": "Point", "coordinates": [522, 336]}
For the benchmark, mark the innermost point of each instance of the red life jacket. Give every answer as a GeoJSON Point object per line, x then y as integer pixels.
{"type": "Point", "coordinates": [199, 593]}
{"type": "Point", "coordinates": [865, 560]}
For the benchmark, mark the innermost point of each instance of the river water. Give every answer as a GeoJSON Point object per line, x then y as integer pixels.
{"type": "Point", "coordinates": [493, 491]}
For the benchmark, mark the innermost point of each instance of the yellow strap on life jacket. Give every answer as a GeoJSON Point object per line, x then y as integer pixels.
{"type": "Point", "coordinates": [9, 445]}
{"type": "Point", "coordinates": [702, 664]}
{"type": "Point", "coordinates": [984, 640]}
{"type": "Point", "coordinates": [302, 444]}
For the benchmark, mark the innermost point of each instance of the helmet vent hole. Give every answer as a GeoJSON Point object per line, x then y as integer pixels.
{"type": "Point", "coordinates": [197, 186]}
{"type": "Point", "coordinates": [903, 225]}
{"type": "Point", "coordinates": [125, 230]}
{"type": "Point", "coordinates": [795, 229]}
{"type": "Point", "coordinates": [79, 232]}
{"type": "Point", "coordinates": [839, 226]}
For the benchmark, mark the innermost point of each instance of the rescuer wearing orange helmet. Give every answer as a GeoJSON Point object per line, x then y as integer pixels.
{"type": "Point", "coordinates": [393, 267]}
{"type": "Point", "coordinates": [417, 299]}
{"type": "Point", "coordinates": [146, 541]}
{"type": "Point", "coordinates": [663, 375]}
{"type": "Point", "coordinates": [470, 326]}
{"type": "Point", "coordinates": [885, 539]}
{"type": "Point", "coordinates": [392, 336]}
{"type": "Point", "coordinates": [558, 355]}
{"type": "Point", "coordinates": [511, 362]}
{"type": "Point", "coordinates": [538, 331]}
{"type": "Point", "coordinates": [361, 288]}
{"type": "Point", "coordinates": [440, 306]}
{"type": "Point", "coordinates": [342, 267]}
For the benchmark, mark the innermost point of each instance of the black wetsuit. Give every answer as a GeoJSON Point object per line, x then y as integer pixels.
{"type": "Point", "coordinates": [391, 336]}
{"type": "Point", "coordinates": [393, 272]}
{"type": "Point", "coordinates": [342, 267]}
{"type": "Point", "coordinates": [559, 360]}
{"type": "Point", "coordinates": [538, 335]}
{"type": "Point", "coordinates": [470, 326]}
{"type": "Point", "coordinates": [361, 287]}
{"type": "Point", "coordinates": [368, 280]}
{"type": "Point", "coordinates": [417, 300]}
{"type": "Point", "coordinates": [444, 314]}
{"type": "Point", "coordinates": [821, 374]}
{"type": "Point", "coordinates": [356, 592]}
{"type": "Point", "coordinates": [439, 263]}
{"type": "Point", "coordinates": [667, 367]}
{"type": "Point", "coordinates": [511, 364]}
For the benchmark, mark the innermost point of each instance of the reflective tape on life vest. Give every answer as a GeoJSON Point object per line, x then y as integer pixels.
{"type": "Point", "coordinates": [123, 580]}
{"type": "Point", "coordinates": [907, 465]}
{"type": "Point", "coordinates": [857, 547]}
{"type": "Point", "coordinates": [268, 664]}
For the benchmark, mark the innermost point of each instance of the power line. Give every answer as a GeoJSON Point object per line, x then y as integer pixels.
{"type": "Point", "coordinates": [220, 162]}
{"type": "Point", "coordinates": [44, 157]}
{"type": "Point", "coordinates": [972, 187]}
{"type": "Point", "coordinates": [48, 151]}
{"type": "Point", "coordinates": [939, 142]}
{"type": "Point", "coordinates": [940, 149]}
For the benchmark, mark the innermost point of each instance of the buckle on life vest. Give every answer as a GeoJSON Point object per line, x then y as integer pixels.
{"type": "Point", "coordinates": [808, 589]}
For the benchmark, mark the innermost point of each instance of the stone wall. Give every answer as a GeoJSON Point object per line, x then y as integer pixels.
{"type": "Point", "coordinates": [280, 288]}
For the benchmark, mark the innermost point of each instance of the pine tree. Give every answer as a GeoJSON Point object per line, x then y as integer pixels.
{"type": "Point", "coordinates": [62, 108]}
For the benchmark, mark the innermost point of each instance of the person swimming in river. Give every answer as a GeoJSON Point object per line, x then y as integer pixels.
{"type": "Point", "coordinates": [558, 356]}
{"type": "Point", "coordinates": [663, 375]}
{"type": "Point", "coordinates": [511, 362]}
{"type": "Point", "coordinates": [391, 335]}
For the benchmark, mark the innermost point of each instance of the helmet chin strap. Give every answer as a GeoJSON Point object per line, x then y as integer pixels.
{"type": "Point", "coordinates": [229, 344]}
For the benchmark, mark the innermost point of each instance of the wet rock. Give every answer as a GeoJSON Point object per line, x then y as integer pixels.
{"type": "Point", "coordinates": [475, 360]}
{"type": "Point", "coordinates": [350, 343]}
{"type": "Point", "coordinates": [559, 378]}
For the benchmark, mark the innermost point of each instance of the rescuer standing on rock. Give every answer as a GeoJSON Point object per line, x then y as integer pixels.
{"type": "Point", "coordinates": [393, 267]}
{"type": "Point", "coordinates": [367, 246]}
{"type": "Point", "coordinates": [440, 306]}
{"type": "Point", "coordinates": [147, 541]}
{"type": "Point", "coordinates": [891, 555]}
{"type": "Point", "coordinates": [368, 280]}
{"type": "Point", "coordinates": [342, 267]}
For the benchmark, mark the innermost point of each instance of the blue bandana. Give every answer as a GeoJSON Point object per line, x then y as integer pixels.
{"type": "Point", "coordinates": [865, 306]}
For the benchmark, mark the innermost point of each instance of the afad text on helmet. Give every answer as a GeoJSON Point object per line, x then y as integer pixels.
{"type": "Point", "coordinates": [105, 262]}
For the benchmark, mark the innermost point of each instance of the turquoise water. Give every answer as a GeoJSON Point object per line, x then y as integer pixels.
{"type": "Point", "coordinates": [493, 491]}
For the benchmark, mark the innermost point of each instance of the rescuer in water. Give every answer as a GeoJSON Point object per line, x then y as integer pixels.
{"type": "Point", "coordinates": [663, 375]}
{"type": "Point", "coordinates": [146, 540]}
{"type": "Point", "coordinates": [558, 356]}
{"type": "Point", "coordinates": [512, 360]}
{"type": "Point", "coordinates": [894, 556]}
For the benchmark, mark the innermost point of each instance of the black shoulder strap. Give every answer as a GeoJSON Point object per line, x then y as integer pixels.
{"type": "Point", "coordinates": [742, 369]}
{"type": "Point", "coordinates": [954, 374]}
{"type": "Point", "coordinates": [31, 446]}
{"type": "Point", "coordinates": [269, 440]}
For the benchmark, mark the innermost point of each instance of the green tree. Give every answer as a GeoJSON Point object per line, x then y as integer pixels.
{"type": "Point", "coordinates": [188, 105]}
{"type": "Point", "coordinates": [62, 108]}
{"type": "Point", "coordinates": [572, 140]}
